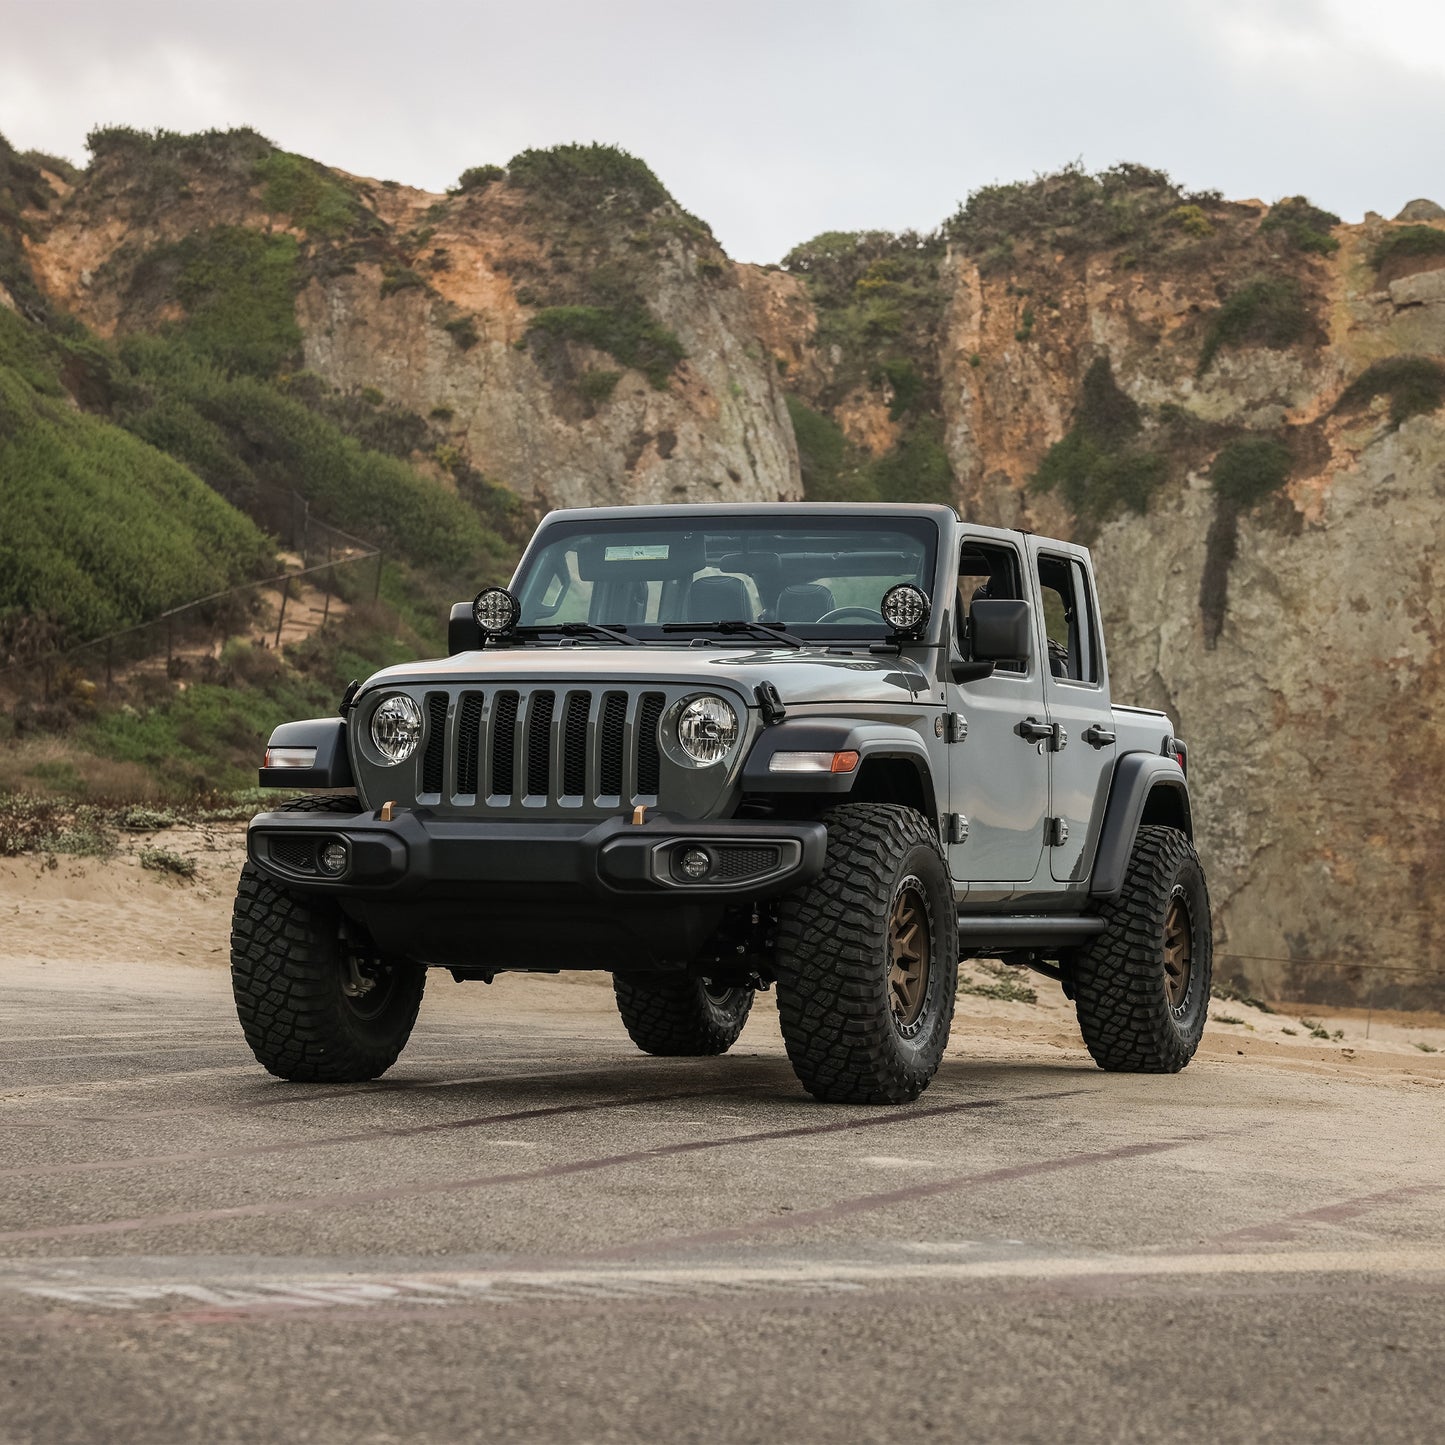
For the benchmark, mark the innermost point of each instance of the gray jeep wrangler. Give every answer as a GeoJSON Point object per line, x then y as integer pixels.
{"type": "Point", "coordinates": [832, 749]}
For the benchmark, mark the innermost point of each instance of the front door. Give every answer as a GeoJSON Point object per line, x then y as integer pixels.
{"type": "Point", "coordinates": [1076, 691]}
{"type": "Point", "coordinates": [998, 780]}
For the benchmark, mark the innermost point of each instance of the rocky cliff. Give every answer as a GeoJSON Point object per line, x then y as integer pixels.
{"type": "Point", "coordinates": [562, 326]}
{"type": "Point", "coordinates": [1238, 407]}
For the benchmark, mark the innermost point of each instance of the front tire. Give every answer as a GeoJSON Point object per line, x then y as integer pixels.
{"type": "Point", "coordinates": [674, 1017]}
{"type": "Point", "coordinates": [311, 1010]}
{"type": "Point", "coordinates": [868, 960]}
{"type": "Point", "coordinates": [1142, 986]}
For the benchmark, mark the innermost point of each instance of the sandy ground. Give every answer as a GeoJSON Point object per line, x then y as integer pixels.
{"type": "Point", "coordinates": [529, 1231]}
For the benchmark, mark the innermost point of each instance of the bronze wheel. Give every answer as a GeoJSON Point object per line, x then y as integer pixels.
{"type": "Point", "coordinates": [1178, 950]}
{"type": "Point", "coordinates": [910, 953]}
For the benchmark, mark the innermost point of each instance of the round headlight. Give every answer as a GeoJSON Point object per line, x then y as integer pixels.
{"type": "Point", "coordinates": [707, 728]}
{"type": "Point", "coordinates": [396, 728]}
{"type": "Point", "coordinates": [905, 608]}
{"type": "Point", "coordinates": [495, 610]}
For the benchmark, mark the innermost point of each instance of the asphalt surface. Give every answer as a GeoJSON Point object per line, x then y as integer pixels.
{"type": "Point", "coordinates": [529, 1231]}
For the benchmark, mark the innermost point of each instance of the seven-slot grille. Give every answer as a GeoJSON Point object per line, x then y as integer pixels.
{"type": "Point", "coordinates": [494, 749]}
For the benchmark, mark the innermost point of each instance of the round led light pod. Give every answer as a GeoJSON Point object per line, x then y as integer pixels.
{"type": "Point", "coordinates": [905, 608]}
{"type": "Point", "coordinates": [396, 728]}
{"type": "Point", "coordinates": [333, 857]}
{"type": "Point", "coordinates": [496, 611]}
{"type": "Point", "coordinates": [694, 863]}
{"type": "Point", "coordinates": [707, 728]}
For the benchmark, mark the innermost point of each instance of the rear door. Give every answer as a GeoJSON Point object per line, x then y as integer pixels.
{"type": "Point", "coordinates": [998, 780]}
{"type": "Point", "coordinates": [1076, 693]}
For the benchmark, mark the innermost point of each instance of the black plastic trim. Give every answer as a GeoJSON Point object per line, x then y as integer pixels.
{"type": "Point", "coordinates": [1055, 930]}
{"type": "Point", "coordinates": [868, 740]}
{"type": "Point", "coordinates": [1136, 776]}
{"type": "Point", "coordinates": [332, 768]}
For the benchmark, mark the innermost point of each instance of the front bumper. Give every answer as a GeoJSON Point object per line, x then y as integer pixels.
{"type": "Point", "coordinates": [418, 854]}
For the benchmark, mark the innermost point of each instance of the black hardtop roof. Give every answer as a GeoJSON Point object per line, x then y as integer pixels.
{"type": "Point", "coordinates": [820, 510]}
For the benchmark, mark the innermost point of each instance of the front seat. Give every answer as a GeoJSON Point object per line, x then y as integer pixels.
{"type": "Point", "coordinates": [719, 599]}
{"type": "Point", "coordinates": [804, 602]}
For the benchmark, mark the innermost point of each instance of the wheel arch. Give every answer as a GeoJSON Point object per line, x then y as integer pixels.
{"type": "Point", "coordinates": [893, 764]}
{"type": "Point", "coordinates": [1147, 789]}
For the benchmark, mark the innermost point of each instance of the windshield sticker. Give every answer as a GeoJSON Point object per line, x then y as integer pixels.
{"type": "Point", "coordinates": [637, 552]}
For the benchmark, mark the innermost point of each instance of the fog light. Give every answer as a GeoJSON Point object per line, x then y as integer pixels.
{"type": "Point", "coordinates": [694, 863]}
{"type": "Point", "coordinates": [334, 857]}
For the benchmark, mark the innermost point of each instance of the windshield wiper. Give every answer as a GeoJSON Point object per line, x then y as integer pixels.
{"type": "Point", "coordinates": [578, 629]}
{"type": "Point", "coordinates": [767, 629]}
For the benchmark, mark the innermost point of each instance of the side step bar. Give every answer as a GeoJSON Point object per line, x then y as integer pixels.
{"type": "Point", "coordinates": [978, 931]}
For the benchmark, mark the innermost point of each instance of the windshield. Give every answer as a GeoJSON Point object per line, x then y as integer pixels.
{"type": "Point", "coordinates": [821, 579]}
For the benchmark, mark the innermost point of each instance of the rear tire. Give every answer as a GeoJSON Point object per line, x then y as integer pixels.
{"type": "Point", "coordinates": [674, 1017]}
{"type": "Point", "coordinates": [868, 960]}
{"type": "Point", "coordinates": [1141, 988]}
{"type": "Point", "coordinates": [310, 1011]}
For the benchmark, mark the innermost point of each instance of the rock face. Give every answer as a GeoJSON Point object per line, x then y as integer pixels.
{"type": "Point", "coordinates": [434, 301]}
{"type": "Point", "coordinates": [1290, 620]}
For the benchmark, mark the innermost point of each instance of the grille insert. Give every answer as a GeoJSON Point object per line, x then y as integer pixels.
{"type": "Point", "coordinates": [436, 743]}
{"type": "Point", "coordinates": [504, 743]}
{"type": "Point", "coordinates": [747, 862]}
{"type": "Point", "coordinates": [298, 855]}
{"type": "Point", "coordinates": [612, 735]}
{"type": "Point", "coordinates": [539, 737]}
{"type": "Point", "coordinates": [649, 761]}
{"type": "Point", "coordinates": [574, 745]}
{"type": "Point", "coordinates": [469, 735]}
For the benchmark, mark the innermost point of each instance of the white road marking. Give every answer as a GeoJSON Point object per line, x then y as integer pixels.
{"type": "Point", "coordinates": [504, 1286]}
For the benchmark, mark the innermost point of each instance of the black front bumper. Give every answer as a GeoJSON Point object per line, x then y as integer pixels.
{"type": "Point", "coordinates": [417, 854]}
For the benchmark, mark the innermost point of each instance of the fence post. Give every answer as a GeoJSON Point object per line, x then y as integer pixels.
{"type": "Point", "coordinates": [285, 593]}
{"type": "Point", "coordinates": [170, 642]}
{"type": "Point", "coordinates": [330, 583]}
{"type": "Point", "coordinates": [376, 590]}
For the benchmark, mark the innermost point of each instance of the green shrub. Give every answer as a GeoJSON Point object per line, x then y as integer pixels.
{"type": "Point", "coordinates": [1069, 210]}
{"type": "Point", "coordinates": [1414, 384]}
{"type": "Point", "coordinates": [308, 193]}
{"type": "Point", "coordinates": [596, 386]}
{"type": "Point", "coordinates": [581, 177]}
{"type": "Point", "coordinates": [463, 330]}
{"type": "Point", "coordinates": [1026, 325]}
{"type": "Point", "coordinates": [476, 178]}
{"type": "Point", "coordinates": [907, 385]}
{"type": "Point", "coordinates": [238, 288]}
{"type": "Point", "coordinates": [1098, 467]}
{"type": "Point", "coordinates": [399, 278]}
{"type": "Point", "coordinates": [1191, 220]}
{"type": "Point", "coordinates": [102, 530]}
{"type": "Point", "coordinates": [1250, 469]}
{"type": "Point", "coordinates": [627, 332]}
{"type": "Point", "coordinates": [1305, 226]}
{"type": "Point", "coordinates": [917, 469]}
{"type": "Point", "coordinates": [1408, 241]}
{"type": "Point", "coordinates": [1267, 311]}
{"type": "Point", "coordinates": [163, 860]}
{"type": "Point", "coordinates": [822, 448]}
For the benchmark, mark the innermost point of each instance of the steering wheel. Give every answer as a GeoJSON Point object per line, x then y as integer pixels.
{"type": "Point", "coordinates": [852, 614]}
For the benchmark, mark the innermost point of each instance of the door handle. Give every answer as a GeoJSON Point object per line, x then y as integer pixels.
{"type": "Point", "coordinates": [1033, 731]}
{"type": "Point", "coordinates": [1098, 737]}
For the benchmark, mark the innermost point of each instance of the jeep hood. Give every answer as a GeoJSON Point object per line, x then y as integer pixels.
{"type": "Point", "coordinates": [801, 676]}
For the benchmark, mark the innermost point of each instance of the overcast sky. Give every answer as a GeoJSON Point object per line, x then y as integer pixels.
{"type": "Point", "coordinates": [775, 121]}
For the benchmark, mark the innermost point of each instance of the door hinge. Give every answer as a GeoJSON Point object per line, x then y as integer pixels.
{"type": "Point", "coordinates": [955, 828]}
{"type": "Point", "coordinates": [1058, 832]}
{"type": "Point", "coordinates": [957, 727]}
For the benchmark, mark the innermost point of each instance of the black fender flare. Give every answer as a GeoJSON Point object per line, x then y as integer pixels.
{"type": "Point", "coordinates": [332, 768]}
{"type": "Point", "coordinates": [1138, 778]}
{"type": "Point", "coordinates": [803, 735]}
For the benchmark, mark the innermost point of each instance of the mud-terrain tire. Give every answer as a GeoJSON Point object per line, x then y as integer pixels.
{"type": "Point", "coordinates": [289, 968]}
{"type": "Point", "coordinates": [680, 1017]}
{"type": "Point", "coordinates": [863, 1020]}
{"type": "Point", "coordinates": [1141, 988]}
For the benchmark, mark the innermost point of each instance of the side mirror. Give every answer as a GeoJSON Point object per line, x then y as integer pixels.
{"type": "Point", "coordinates": [463, 634]}
{"type": "Point", "coordinates": [998, 630]}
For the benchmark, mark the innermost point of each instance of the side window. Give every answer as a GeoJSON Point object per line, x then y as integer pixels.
{"type": "Point", "coordinates": [1068, 620]}
{"type": "Point", "coordinates": [987, 571]}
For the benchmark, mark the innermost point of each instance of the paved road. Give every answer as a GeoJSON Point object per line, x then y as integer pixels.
{"type": "Point", "coordinates": [531, 1232]}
